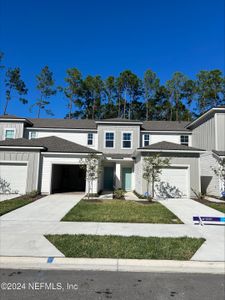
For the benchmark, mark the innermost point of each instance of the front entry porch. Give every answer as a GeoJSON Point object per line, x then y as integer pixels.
{"type": "Point", "coordinates": [117, 174]}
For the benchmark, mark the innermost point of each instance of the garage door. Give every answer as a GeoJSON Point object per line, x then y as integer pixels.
{"type": "Point", "coordinates": [173, 183]}
{"type": "Point", "coordinates": [13, 177]}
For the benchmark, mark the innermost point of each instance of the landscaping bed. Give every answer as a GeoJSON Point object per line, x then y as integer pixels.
{"type": "Point", "coordinates": [133, 247]}
{"type": "Point", "coordinates": [121, 211]}
{"type": "Point", "coordinates": [12, 204]}
{"type": "Point", "coordinates": [218, 206]}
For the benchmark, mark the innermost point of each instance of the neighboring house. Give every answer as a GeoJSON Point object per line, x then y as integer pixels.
{"type": "Point", "coordinates": [45, 154]}
{"type": "Point", "coordinates": [208, 132]}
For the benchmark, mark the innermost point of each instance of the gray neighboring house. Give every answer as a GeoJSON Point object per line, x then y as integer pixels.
{"type": "Point", "coordinates": [208, 132]}
{"type": "Point", "coordinates": [45, 154]}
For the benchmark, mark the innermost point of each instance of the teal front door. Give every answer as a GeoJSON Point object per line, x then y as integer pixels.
{"type": "Point", "coordinates": [126, 178]}
{"type": "Point", "coordinates": [108, 178]}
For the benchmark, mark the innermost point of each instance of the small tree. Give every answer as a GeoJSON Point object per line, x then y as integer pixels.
{"type": "Point", "coordinates": [152, 169]}
{"type": "Point", "coordinates": [220, 172]}
{"type": "Point", "coordinates": [91, 164]}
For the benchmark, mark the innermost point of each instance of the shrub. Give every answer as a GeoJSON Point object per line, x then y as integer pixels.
{"type": "Point", "coordinates": [32, 194]}
{"type": "Point", "coordinates": [118, 194]}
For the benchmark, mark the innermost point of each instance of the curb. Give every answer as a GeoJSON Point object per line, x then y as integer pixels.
{"type": "Point", "coordinates": [116, 265]}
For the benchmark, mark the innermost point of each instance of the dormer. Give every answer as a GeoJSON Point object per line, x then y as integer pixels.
{"type": "Point", "coordinates": [12, 127]}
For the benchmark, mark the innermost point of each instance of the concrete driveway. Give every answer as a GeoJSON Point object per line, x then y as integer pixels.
{"type": "Point", "coordinates": [214, 247]}
{"type": "Point", "coordinates": [49, 208]}
{"type": "Point", "coordinates": [22, 230]}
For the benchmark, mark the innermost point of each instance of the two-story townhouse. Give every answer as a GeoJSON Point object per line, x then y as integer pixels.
{"type": "Point", "coordinates": [45, 154]}
{"type": "Point", "coordinates": [208, 132]}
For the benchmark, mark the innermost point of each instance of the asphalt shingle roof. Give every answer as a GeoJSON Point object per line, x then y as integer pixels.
{"type": "Point", "coordinates": [51, 144]}
{"type": "Point", "coordinates": [64, 123]}
{"type": "Point", "coordinates": [169, 146]}
{"type": "Point", "coordinates": [219, 153]}
{"type": "Point", "coordinates": [165, 125]}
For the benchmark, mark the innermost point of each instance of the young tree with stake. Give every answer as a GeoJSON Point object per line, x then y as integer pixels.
{"type": "Point", "coordinates": [152, 168]}
{"type": "Point", "coordinates": [91, 164]}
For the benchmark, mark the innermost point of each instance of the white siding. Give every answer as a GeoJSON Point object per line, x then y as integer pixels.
{"type": "Point", "coordinates": [160, 137]}
{"type": "Point", "coordinates": [76, 137]}
{"type": "Point", "coordinates": [209, 181]}
{"type": "Point", "coordinates": [17, 126]}
{"type": "Point", "coordinates": [203, 136]}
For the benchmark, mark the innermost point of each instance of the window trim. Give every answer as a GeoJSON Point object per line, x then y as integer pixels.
{"type": "Point", "coordinates": [143, 141]}
{"type": "Point", "coordinates": [131, 141]}
{"type": "Point", "coordinates": [14, 133]}
{"type": "Point", "coordinates": [114, 139]}
{"type": "Point", "coordinates": [92, 139]}
{"type": "Point", "coordinates": [184, 143]}
{"type": "Point", "coordinates": [30, 133]}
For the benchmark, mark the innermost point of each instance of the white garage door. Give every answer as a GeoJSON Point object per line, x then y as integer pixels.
{"type": "Point", "coordinates": [173, 183]}
{"type": "Point", "coordinates": [14, 176]}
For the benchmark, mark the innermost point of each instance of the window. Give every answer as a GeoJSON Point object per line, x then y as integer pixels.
{"type": "Point", "coordinates": [90, 139]}
{"type": "Point", "coordinates": [126, 140]}
{"type": "Point", "coordinates": [146, 139]}
{"type": "Point", "coordinates": [184, 140]}
{"type": "Point", "coordinates": [9, 134]}
{"type": "Point", "coordinates": [109, 140]}
{"type": "Point", "coordinates": [33, 135]}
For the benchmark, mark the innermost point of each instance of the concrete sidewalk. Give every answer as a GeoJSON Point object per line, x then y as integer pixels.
{"type": "Point", "coordinates": [22, 230]}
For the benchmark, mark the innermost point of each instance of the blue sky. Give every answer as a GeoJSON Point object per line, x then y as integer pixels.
{"type": "Point", "coordinates": [102, 37]}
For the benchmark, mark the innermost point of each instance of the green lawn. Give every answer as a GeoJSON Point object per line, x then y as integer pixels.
{"type": "Point", "coordinates": [120, 211]}
{"type": "Point", "coordinates": [12, 204]}
{"type": "Point", "coordinates": [218, 206]}
{"type": "Point", "coordinates": [134, 247]}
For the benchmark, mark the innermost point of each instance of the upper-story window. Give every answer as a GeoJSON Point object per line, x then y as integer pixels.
{"type": "Point", "coordinates": [146, 139]}
{"type": "Point", "coordinates": [126, 142]}
{"type": "Point", "coordinates": [109, 140]}
{"type": "Point", "coordinates": [90, 140]}
{"type": "Point", "coordinates": [9, 134]}
{"type": "Point", "coordinates": [33, 135]}
{"type": "Point", "coordinates": [184, 140]}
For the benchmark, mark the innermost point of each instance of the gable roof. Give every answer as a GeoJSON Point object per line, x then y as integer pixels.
{"type": "Point", "coordinates": [219, 153]}
{"type": "Point", "coordinates": [170, 147]}
{"type": "Point", "coordinates": [165, 126]}
{"type": "Point", "coordinates": [14, 118]}
{"type": "Point", "coordinates": [205, 116]}
{"type": "Point", "coordinates": [49, 144]}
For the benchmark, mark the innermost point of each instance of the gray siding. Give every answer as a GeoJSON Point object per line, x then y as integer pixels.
{"type": "Point", "coordinates": [118, 129]}
{"type": "Point", "coordinates": [203, 136]}
{"type": "Point", "coordinates": [191, 160]}
{"type": "Point", "coordinates": [209, 181]}
{"type": "Point", "coordinates": [32, 157]}
{"type": "Point", "coordinates": [18, 126]}
{"type": "Point", "coordinates": [220, 119]}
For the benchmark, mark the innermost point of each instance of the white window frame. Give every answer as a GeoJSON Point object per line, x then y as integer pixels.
{"type": "Point", "coordinates": [184, 143]}
{"type": "Point", "coordinates": [30, 134]}
{"type": "Point", "coordinates": [131, 140]}
{"type": "Point", "coordinates": [143, 142]}
{"type": "Point", "coordinates": [92, 139]}
{"type": "Point", "coordinates": [14, 133]}
{"type": "Point", "coordinates": [114, 139]}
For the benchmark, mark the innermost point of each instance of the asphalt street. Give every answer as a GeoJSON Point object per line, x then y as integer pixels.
{"type": "Point", "coordinates": [34, 284]}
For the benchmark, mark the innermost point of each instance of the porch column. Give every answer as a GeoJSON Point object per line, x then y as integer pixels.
{"type": "Point", "coordinates": [118, 175]}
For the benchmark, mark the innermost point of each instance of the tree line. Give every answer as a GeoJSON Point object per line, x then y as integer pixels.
{"type": "Point", "coordinates": [124, 96]}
